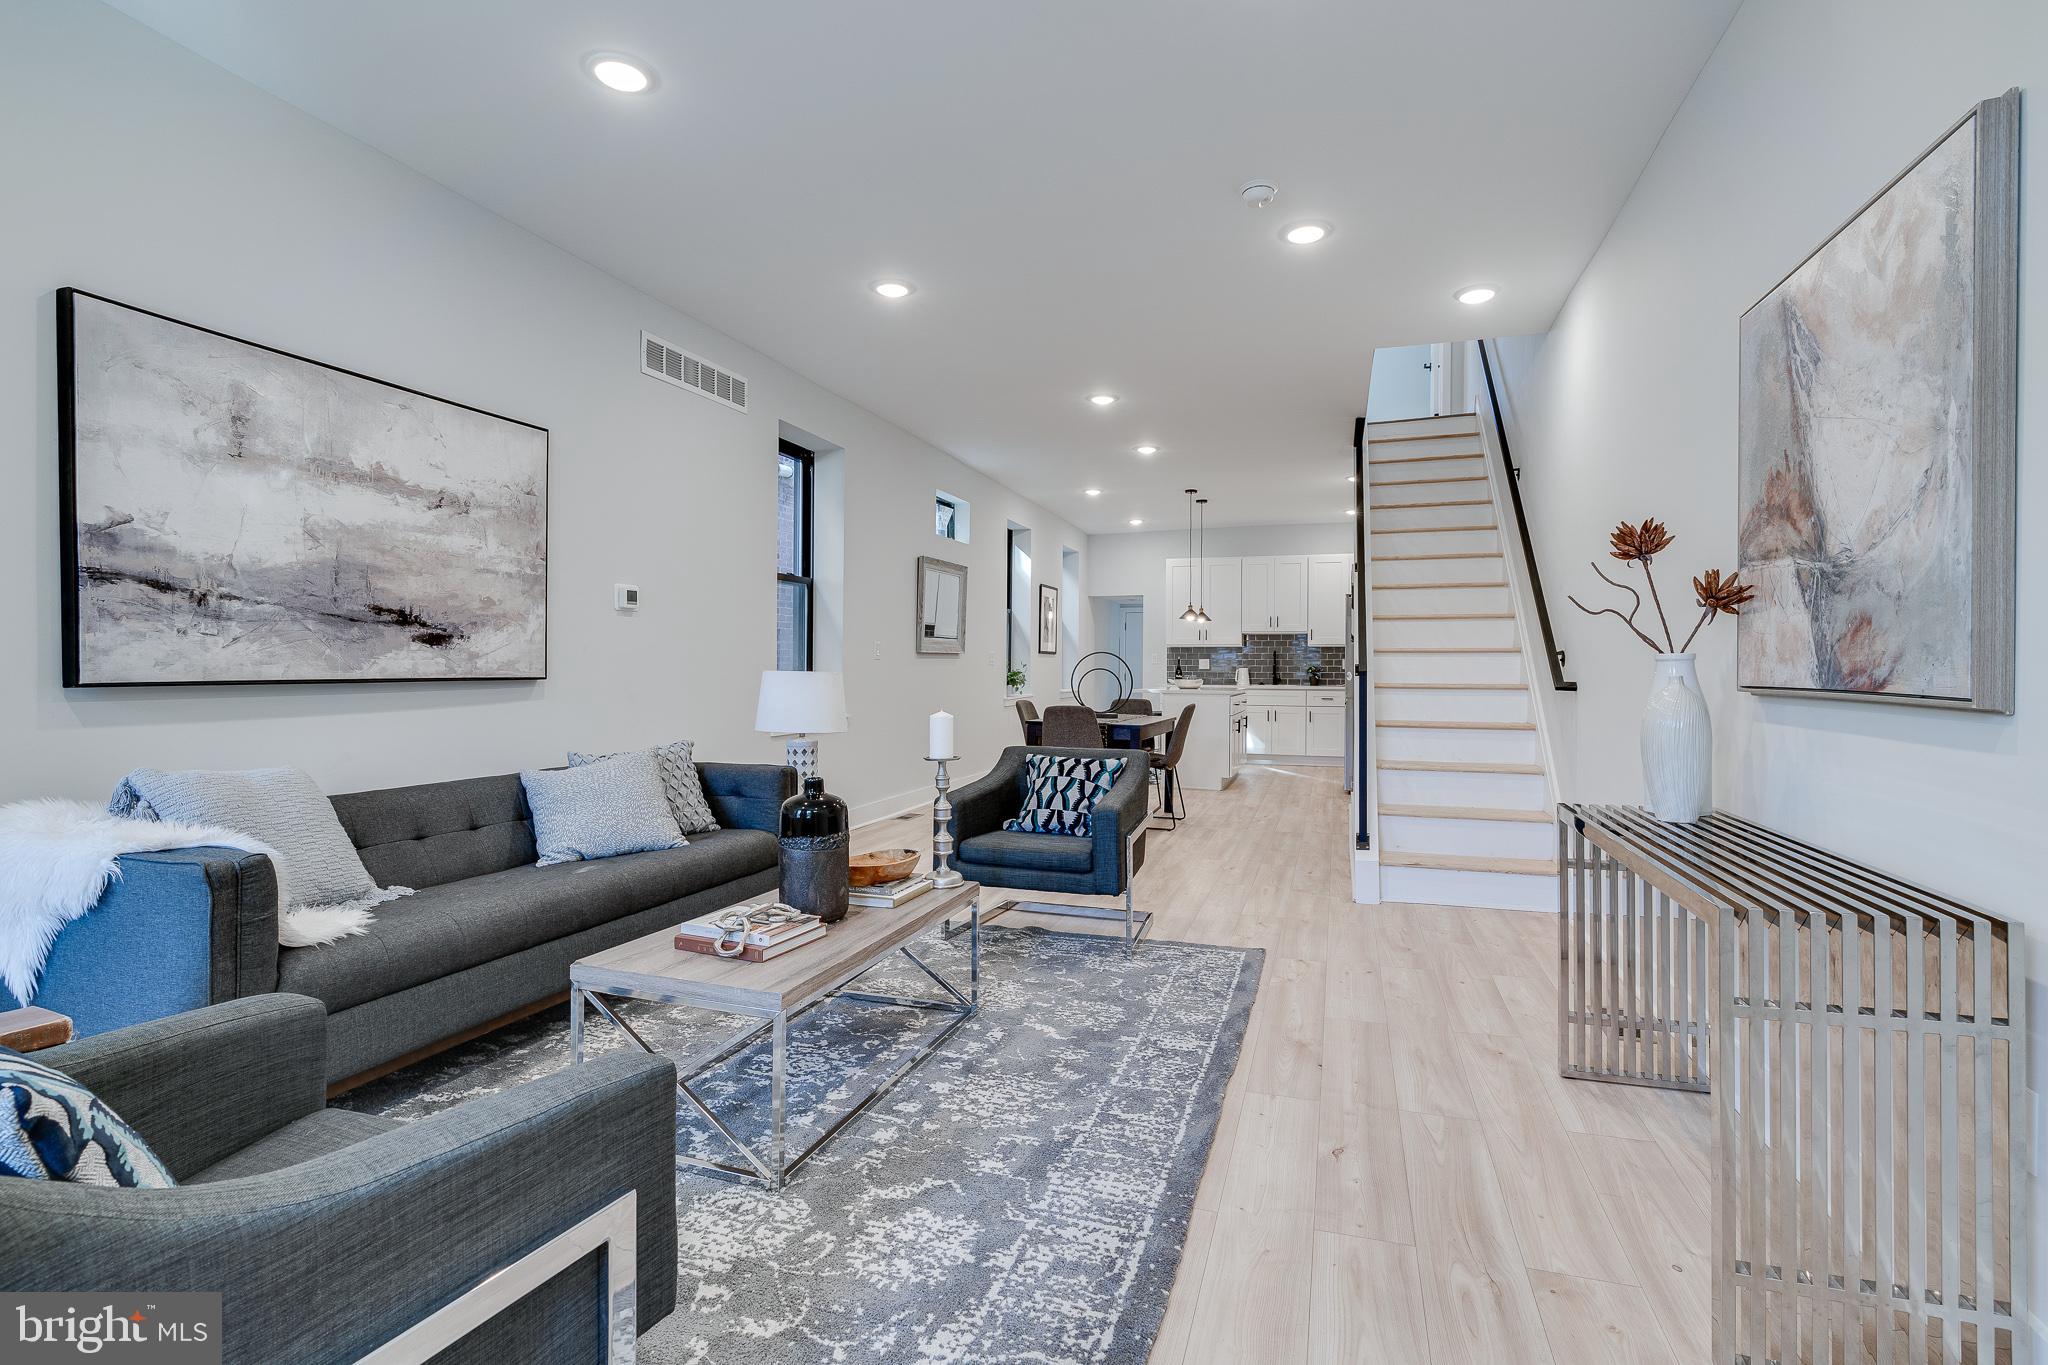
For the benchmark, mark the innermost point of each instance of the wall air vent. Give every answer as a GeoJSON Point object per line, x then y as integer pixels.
{"type": "Point", "coordinates": [676, 366]}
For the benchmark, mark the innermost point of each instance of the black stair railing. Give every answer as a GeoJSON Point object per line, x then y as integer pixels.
{"type": "Point", "coordinates": [1514, 479]}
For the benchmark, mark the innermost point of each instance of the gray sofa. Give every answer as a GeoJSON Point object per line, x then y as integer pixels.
{"type": "Point", "coordinates": [327, 1233]}
{"type": "Point", "coordinates": [488, 937]}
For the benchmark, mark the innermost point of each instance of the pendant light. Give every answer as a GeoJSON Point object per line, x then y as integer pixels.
{"type": "Point", "coordinates": [1193, 613]}
{"type": "Point", "coordinates": [1201, 564]}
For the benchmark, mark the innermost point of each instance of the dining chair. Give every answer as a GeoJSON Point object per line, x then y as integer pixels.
{"type": "Point", "coordinates": [1027, 711]}
{"type": "Point", "coordinates": [1070, 727]}
{"type": "Point", "coordinates": [1166, 770]}
{"type": "Point", "coordinates": [1133, 706]}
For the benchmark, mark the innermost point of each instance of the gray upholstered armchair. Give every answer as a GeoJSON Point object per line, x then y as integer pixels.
{"type": "Point", "coordinates": [1102, 864]}
{"type": "Point", "coordinates": [329, 1233]}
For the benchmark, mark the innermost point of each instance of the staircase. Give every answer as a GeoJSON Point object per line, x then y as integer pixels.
{"type": "Point", "coordinates": [1464, 803]}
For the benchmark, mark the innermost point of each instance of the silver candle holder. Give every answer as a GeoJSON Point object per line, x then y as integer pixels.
{"type": "Point", "coordinates": [943, 874]}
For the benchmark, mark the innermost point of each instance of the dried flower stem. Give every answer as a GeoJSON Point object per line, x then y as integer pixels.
{"type": "Point", "coordinates": [1628, 620]}
{"type": "Point", "coordinates": [1651, 579]}
{"type": "Point", "coordinates": [1697, 627]}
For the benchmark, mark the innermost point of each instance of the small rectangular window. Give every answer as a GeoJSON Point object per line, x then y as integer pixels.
{"type": "Point", "coordinates": [951, 516]}
{"type": "Point", "coordinates": [793, 558]}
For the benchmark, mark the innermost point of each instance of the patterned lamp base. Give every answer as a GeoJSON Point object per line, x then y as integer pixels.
{"type": "Point", "coordinates": [802, 754]}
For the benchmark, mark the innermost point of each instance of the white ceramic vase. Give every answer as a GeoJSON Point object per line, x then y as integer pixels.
{"type": "Point", "coordinates": [1678, 743]}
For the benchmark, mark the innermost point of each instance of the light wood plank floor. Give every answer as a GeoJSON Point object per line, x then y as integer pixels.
{"type": "Point", "coordinates": [1400, 1177]}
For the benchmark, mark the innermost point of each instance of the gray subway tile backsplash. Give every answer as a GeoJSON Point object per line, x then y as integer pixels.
{"type": "Point", "coordinates": [1282, 660]}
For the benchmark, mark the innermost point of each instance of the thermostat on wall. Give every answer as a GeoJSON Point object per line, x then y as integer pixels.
{"type": "Point", "coordinates": [626, 596]}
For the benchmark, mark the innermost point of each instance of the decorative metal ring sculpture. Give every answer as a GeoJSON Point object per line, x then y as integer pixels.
{"type": "Point", "coordinates": [1121, 674]}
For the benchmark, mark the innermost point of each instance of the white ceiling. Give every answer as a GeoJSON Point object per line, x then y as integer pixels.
{"type": "Point", "coordinates": [1058, 177]}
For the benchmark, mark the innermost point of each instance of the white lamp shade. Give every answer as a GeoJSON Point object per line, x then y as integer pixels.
{"type": "Point", "coordinates": [801, 703]}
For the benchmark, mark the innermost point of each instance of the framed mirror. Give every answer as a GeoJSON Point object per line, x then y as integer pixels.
{"type": "Point", "coordinates": [941, 606]}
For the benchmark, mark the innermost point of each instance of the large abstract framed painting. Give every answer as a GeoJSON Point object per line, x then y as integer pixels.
{"type": "Point", "coordinates": [1879, 427]}
{"type": "Point", "coordinates": [236, 514]}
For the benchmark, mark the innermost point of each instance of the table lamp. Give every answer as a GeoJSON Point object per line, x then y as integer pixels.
{"type": "Point", "coordinates": [801, 705]}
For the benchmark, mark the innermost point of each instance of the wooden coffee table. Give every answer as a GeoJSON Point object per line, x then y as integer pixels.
{"type": "Point", "coordinates": [777, 991]}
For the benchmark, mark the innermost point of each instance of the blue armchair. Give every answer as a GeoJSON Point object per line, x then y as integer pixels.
{"type": "Point", "coordinates": [1102, 864]}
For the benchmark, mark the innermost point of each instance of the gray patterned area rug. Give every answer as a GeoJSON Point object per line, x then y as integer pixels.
{"type": "Point", "coordinates": [1019, 1199]}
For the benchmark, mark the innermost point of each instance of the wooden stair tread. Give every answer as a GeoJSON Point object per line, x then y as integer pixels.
{"type": "Point", "coordinates": [1425, 459]}
{"type": "Point", "coordinates": [1453, 687]}
{"type": "Point", "coordinates": [1531, 817]}
{"type": "Point", "coordinates": [1455, 724]}
{"type": "Point", "coordinates": [1410, 483]}
{"type": "Point", "coordinates": [1433, 765]}
{"type": "Point", "coordinates": [1430, 530]}
{"type": "Point", "coordinates": [1469, 862]}
{"type": "Point", "coordinates": [1410, 587]}
{"type": "Point", "coordinates": [1446, 616]}
{"type": "Point", "coordinates": [1455, 502]}
{"type": "Point", "coordinates": [1447, 649]}
{"type": "Point", "coordinates": [1398, 437]}
{"type": "Point", "coordinates": [1461, 554]}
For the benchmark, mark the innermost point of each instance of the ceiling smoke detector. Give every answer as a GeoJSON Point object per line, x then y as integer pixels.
{"type": "Point", "coordinates": [1257, 193]}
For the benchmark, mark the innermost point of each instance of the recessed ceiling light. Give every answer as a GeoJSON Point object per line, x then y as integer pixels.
{"type": "Point", "coordinates": [1102, 400]}
{"type": "Point", "coordinates": [1476, 293]}
{"type": "Point", "coordinates": [1351, 511]}
{"type": "Point", "coordinates": [1148, 450]}
{"type": "Point", "coordinates": [622, 74]}
{"type": "Point", "coordinates": [1351, 478]}
{"type": "Point", "coordinates": [894, 289]}
{"type": "Point", "coordinates": [1093, 492]}
{"type": "Point", "coordinates": [1305, 234]}
{"type": "Point", "coordinates": [1137, 521]}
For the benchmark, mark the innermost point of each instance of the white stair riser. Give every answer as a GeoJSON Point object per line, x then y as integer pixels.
{"type": "Point", "coordinates": [1428, 483]}
{"type": "Point", "coordinates": [1394, 704]}
{"type": "Point", "coordinates": [1429, 518]}
{"type": "Point", "coordinates": [1438, 467]}
{"type": "Point", "coordinates": [1435, 542]}
{"type": "Point", "coordinates": [1505, 791]}
{"type": "Point", "coordinates": [1488, 570]}
{"type": "Point", "coordinates": [1481, 838]}
{"type": "Point", "coordinates": [1414, 600]}
{"type": "Point", "coordinates": [1454, 443]}
{"type": "Point", "coordinates": [1416, 634]}
{"type": "Point", "coordinates": [1488, 890]}
{"type": "Point", "coordinates": [1405, 668]}
{"type": "Point", "coordinates": [1457, 746]}
{"type": "Point", "coordinates": [1464, 422]}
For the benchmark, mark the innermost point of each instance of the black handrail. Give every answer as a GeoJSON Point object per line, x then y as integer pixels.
{"type": "Point", "coordinates": [1363, 752]}
{"type": "Point", "coordinates": [1507, 460]}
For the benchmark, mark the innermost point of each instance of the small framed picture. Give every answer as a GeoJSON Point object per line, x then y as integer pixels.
{"type": "Point", "coordinates": [1048, 619]}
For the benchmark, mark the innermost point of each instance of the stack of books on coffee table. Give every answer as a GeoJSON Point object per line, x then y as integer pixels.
{"type": "Point", "coordinates": [887, 894]}
{"type": "Point", "coordinates": [773, 940]}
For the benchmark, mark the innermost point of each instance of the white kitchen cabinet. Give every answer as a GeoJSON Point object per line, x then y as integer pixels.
{"type": "Point", "coordinates": [1220, 593]}
{"type": "Point", "coordinates": [1277, 729]}
{"type": "Point", "coordinates": [1329, 590]}
{"type": "Point", "coordinates": [1223, 599]}
{"type": "Point", "coordinates": [1275, 594]}
{"type": "Point", "coordinates": [1325, 731]}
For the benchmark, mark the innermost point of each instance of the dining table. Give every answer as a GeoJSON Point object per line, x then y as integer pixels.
{"type": "Point", "coordinates": [1122, 730]}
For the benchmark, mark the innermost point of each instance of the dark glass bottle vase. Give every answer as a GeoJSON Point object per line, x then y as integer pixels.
{"type": "Point", "coordinates": [814, 849]}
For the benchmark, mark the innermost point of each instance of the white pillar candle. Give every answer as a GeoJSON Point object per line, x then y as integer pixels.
{"type": "Point", "coordinates": [942, 735]}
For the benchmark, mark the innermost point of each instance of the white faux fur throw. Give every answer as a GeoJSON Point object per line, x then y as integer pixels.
{"type": "Point", "coordinates": [58, 857]}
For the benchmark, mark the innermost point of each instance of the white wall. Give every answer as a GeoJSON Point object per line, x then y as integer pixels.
{"type": "Point", "coordinates": [139, 171]}
{"type": "Point", "coordinates": [1134, 565]}
{"type": "Point", "coordinates": [1400, 384]}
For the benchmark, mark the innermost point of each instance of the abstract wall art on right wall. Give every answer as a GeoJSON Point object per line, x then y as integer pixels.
{"type": "Point", "coordinates": [1879, 418]}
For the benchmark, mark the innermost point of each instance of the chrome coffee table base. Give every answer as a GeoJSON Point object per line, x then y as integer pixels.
{"type": "Point", "coordinates": [774, 1165]}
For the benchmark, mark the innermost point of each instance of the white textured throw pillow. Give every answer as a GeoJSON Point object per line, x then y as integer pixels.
{"type": "Point", "coordinates": [599, 810]}
{"type": "Point", "coordinates": [679, 779]}
{"type": "Point", "coordinates": [279, 806]}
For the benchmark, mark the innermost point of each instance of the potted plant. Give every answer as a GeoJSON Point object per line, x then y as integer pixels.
{"type": "Point", "coordinates": [1678, 732]}
{"type": "Point", "coordinates": [1015, 680]}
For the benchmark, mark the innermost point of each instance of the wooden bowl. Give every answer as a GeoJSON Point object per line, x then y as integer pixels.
{"type": "Point", "coordinates": [883, 865]}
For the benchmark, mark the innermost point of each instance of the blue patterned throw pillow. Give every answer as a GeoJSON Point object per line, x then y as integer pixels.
{"type": "Point", "coordinates": [600, 809]}
{"type": "Point", "coordinates": [1062, 793]}
{"type": "Point", "coordinates": [53, 1128]}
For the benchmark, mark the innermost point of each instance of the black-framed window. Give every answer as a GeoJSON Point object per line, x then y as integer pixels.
{"type": "Point", "coordinates": [793, 616]}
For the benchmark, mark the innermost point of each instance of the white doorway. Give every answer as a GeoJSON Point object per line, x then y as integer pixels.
{"type": "Point", "coordinates": [1127, 636]}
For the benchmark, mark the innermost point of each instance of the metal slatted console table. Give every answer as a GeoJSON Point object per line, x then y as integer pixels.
{"type": "Point", "coordinates": [1865, 1041]}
